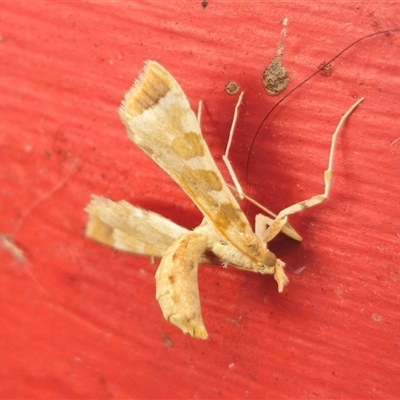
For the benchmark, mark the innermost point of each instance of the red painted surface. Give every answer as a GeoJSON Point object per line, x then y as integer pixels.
{"type": "Point", "coordinates": [79, 320]}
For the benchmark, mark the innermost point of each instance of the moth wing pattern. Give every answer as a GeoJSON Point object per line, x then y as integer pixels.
{"type": "Point", "coordinates": [159, 120]}
{"type": "Point", "coordinates": [130, 228]}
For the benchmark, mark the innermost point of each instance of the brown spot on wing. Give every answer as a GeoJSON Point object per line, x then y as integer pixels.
{"type": "Point", "coordinates": [212, 180]}
{"type": "Point", "coordinates": [194, 181]}
{"type": "Point", "coordinates": [224, 213]}
{"type": "Point", "coordinates": [227, 214]}
{"type": "Point", "coordinates": [189, 146]}
{"type": "Point", "coordinates": [100, 231]}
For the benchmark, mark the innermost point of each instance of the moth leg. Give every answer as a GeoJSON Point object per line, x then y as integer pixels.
{"type": "Point", "coordinates": [267, 229]}
{"type": "Point", "coordinates": [177, 289]}
{"type": "Point", "coordinates": [262, 222]}
{"type": "Point", "coordinates": [288, 229]}
{"type": "Point", "coordinates": [228, 147]}
{"type": "Point", "coordinates": [225, 157]}
{"type": "Point", "coordinates": [199, 113]}
{"type": "Point", "coordinates": [315, 200]}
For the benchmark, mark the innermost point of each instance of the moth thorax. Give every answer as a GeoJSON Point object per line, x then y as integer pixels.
{"type": "Point", "coordinates": [269, 259]}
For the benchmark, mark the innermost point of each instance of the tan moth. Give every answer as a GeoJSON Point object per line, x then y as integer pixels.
{"type": "Point", "coordinates": [160, 121]}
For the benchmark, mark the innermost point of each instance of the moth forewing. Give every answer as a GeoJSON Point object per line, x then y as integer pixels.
{"type": "Point", "coordinates": [159, 120]}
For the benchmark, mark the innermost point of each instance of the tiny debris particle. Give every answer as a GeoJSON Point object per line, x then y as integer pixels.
{"type": "Point", "coordinates": [204, 3]}
{"type": "Point", "coordinates": [8, 244]}
{"type": "Point", "coordinates": [232, 88]}
{"type": "Point", "coordinates": [275, 77]}
{"type": "Point", "coordinates": [167, 340]}
{"type": "Point", "coordinates": [376, 318]}
{"type": "Point", "coordinates": [325, 69]}
{"type": "Point", "coordinates": [299, 270]}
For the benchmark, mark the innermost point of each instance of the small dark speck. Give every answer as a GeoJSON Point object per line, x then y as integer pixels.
{"type": "Point", "coordinates": [167, 340]}
{"type": "Point", "coordinates": [325, 69]}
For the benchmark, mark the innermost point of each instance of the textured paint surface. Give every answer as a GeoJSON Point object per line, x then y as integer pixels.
{"type": "Point", "coordinates": [79, 320]}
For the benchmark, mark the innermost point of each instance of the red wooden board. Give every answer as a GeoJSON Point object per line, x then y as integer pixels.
{"type": "Point", "coordinates": [79, 320]}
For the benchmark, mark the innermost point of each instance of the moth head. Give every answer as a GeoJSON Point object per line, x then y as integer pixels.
{"type": "Point", "coordinates": [275, 267]}
{"type": "Point", "coordinates": [269, 259]}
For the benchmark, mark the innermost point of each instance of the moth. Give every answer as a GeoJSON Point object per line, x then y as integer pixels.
{"type": "Point", "coordinates": [160, 121]}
